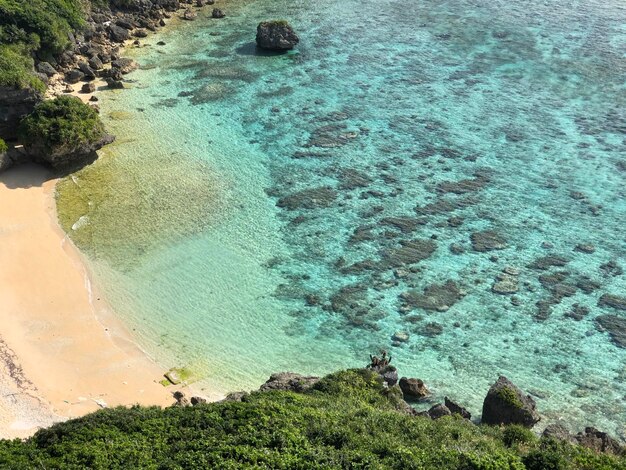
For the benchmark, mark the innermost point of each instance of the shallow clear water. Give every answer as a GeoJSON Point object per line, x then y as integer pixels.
{"type": "Point", "coordinates": [256, 211]}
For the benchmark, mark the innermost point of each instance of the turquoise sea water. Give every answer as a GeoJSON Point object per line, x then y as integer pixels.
{"type": "Point", "coordinates": [293, 212]}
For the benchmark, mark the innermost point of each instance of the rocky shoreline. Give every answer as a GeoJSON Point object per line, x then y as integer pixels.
{"type": "Point", "coordinates": [504, 405]}
{"type": "Point", "coordinates": [92, 60]}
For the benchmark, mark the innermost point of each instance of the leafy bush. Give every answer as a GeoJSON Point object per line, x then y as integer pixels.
{"type": "Point", "coordinates": [3, 146]}
{"type": "Point", "coordinates": [544, 460]}
{"type": "Point", "coordinates": [61, 126]}
{"type": "Point", "coordinates": [516, 434]}
{"type": "Point", "coordinates": [345, 421]}
{"type": "Point", "coordinates": [16, 67]}
{"type": "Point", "coordinates": [44, 24]}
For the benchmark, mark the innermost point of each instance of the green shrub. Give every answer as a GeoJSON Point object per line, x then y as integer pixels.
{"type": "Point", "coordinates": [61, 126]}
{"type": "Point", "coordinates": [3, 146]}
{"type": "Point", "coordinates": [44, 24]}
{"type": "Point", "coordinates": [16, 68]}
{"type": "Point", "coordinates": [516, 434]}
{"type": "Point", "coordinates": [544, 460]}
{"type": "Point", "coordinates": [508, 396]}
{"type": "Point", "coordinates": [345, 421]}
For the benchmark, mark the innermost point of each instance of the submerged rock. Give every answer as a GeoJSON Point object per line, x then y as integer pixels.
{"type": "Point", "coordinates": [409, 252]}
{"type": "Point", "coordinates": [438, 297]}
{"type": "Point", "coordinates": [487, 240]}
{"type": "Point", "coordinates": [615, 301]}
{"type": "Point", "coordinates": [276, 36]}
{"type": "Point", "coordinates": [505, 403]}
{"type": "Point", "coordinates": [615, 326]}
{"type": "Point", "coordinates": [309, 199]}
{"type": "Point", "coordinates": [546, 262]}
{"type": "Point", "coordinates": [124, 65]}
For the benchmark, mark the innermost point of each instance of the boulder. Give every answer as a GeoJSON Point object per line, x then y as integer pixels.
{"type": "Point", "coordinates": [388, 373]}
{"type": "Point", "coordinates": [236, 396]}
{"type": "Point", "coordinates": [197, 401]}
{"type": "Point", "coordinates": [456, 409]}
{"type": "Point", "coordinates": [87, 70]}
{"type": "Point", "coordinates": [505, 403]}
{"type": "Point", "coordinates": [74, 76]}
{"type": "Point", "coordinates": [413, 389]}
{"type": "Point", "coordinates": [560, 432]}
{"type": "Point", "coordinates": [14, 105]}
{"type": "Point", "coordinates": [118, 34]}
{"type": "Point", "coordinates": [88, 87]}
{"type": "Point", "coordinates": [599, 441]}
{"type": "Point", "coordinates": [217, 13]}
{"type": "Point", "coordinates": [180, 398]}
{"type": "Point", "coordinates": [289, 381]}
{"type": "Point", "coordinates": [276, 36]}
{"type": "Point", "coordinates": [95, 63]}
{"type": "Point", "coordinates": [439, 411]}
{"type": "Point", "coordinates": [45, 68]}
{"type": "Point", "coordinates": [189, 15]}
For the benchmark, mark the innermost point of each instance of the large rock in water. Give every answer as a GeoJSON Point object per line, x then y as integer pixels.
{"type": "Point", "coordinates": [413, 389]}
{"type": "Point", "coordinates": [505, 403]}
{"type": "Point", "coordinates": [14, 105]}
{"type": "Point", "coordinates": [276, 36]}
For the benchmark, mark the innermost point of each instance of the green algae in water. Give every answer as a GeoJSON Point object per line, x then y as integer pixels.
{"type": "Point", "coordinates": [120, 209]}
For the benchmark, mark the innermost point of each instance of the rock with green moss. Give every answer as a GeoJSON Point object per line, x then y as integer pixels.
{"type": "Point", "coordinates": [505, 403]}
{"type": "Point", "coordinates": [277, 35]}
{"type": "Point", "coordinates": [63, 132]}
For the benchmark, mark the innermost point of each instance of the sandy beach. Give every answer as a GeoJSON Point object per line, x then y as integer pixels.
{"type": "Point", "coordinates": [62, 353]}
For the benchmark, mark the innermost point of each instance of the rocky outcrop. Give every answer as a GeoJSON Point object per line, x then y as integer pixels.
{"type": "Point", "coordinates": [505, 403]}
{"type": "Point", "coordinates": [456, 409]}
{"type": "Point", "coordinates": [413, 389]}
{"type": "Point", "coordinates": [439, 411]}
{"type": "Point", "coordinates": [288, 381]}
{"type": "Point", "coordinates": [599, 441]}
{"type": "Point", "coordinates": [65, 158]}
{"type": "Point", "coordinates": [276, 36]}
{"type": "Point", "coordinates": [181, 399]}
{"type": "Point", "coordinates": [14, 105]}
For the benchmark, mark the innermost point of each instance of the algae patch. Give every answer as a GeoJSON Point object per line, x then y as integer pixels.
{"type": "Point", "coordinates": [122, 207]}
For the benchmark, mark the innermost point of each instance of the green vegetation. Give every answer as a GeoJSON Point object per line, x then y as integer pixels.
{"type": "Point", "coordinates": [516, 434]}
{"type": "Point", "coordinates": [509, 397]}
{"type": "Point", "coordinates": [42, 25]}
{"type": "Point", "coordinates": [3, 146]}
{"type": "Point", "coordinates": [61, 126]}
{"type": "Point", "coordinates": [16, 67]}
{"type": "Point", "coordinates": [34, 27]}
{"type": "Point", "coordinates": [348, 420]}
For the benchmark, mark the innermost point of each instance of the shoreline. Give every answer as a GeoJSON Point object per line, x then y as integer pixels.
{"type": "Point", "coordinates": [63, 351]}
{"type": "Point", "coordinates": [64, 354]}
